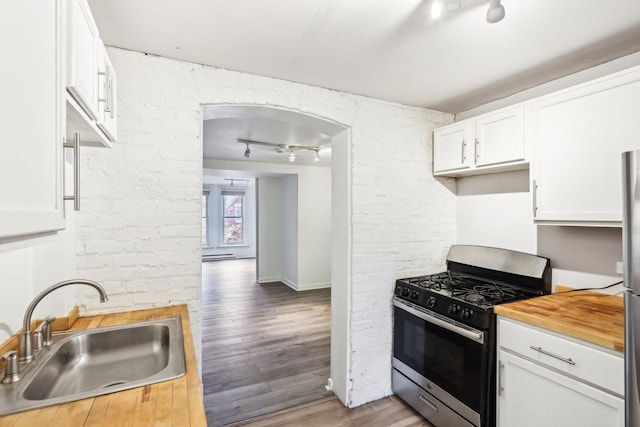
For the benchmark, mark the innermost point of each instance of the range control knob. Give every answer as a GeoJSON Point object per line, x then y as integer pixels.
{"type": "Point", "coordinates": [431, 302]}
{"type": "Point", "coordinates": [405, 292]}
{"type": "Point", "coordinates": [454, 309]}
{"type": "Point", "coordinates": [414, 295]}
{"type": "Point", "coordinates": [466, 314]}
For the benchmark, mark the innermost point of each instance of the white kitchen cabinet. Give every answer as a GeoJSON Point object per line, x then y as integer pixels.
{"type": "Point", "coordinates": [89, 89]}
{"type": "Point", "coordinates": [493, 142]}
{"type": "Point", "coordinates": [82, 54]}
{"type": "Point", "coordinates": [31, 118]}
{"type": "Point", "coordinates": [107, 90]}
{"type": "Point", "coordinates": [451, 147]}
{"type": "Point", "coordinates": [578, 137]}
{"type": "Point", "coordinates": [546, 379]}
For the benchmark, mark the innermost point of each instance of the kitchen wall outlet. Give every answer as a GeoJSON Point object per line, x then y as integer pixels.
{"type": "Point", "coordinates": [619, 267]}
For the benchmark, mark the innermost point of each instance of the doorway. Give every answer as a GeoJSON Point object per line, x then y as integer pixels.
{"type": "Point", "coordinates": [291, 213]}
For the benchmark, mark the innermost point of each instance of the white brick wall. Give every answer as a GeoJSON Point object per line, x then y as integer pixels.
{"type": "Point", "coordinates": [139, 229]}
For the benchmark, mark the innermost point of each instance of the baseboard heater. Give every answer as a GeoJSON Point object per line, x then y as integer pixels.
{"type": "Point", "coordinates": [217, 257]}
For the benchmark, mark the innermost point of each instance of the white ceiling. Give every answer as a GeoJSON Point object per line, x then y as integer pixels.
{"type": "Point", "coordinates": [224, 125]}
{"type": "Point", "coordinates": [385, 49]}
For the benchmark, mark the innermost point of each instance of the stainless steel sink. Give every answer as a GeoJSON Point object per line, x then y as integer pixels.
{"type": "Point", "coordinates": [98, 361]}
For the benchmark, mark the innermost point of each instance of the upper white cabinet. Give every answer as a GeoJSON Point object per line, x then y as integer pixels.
{"type": "Point", "coordinates": [82, 55]}
{"type": "Point", "coordinates": [489, 143]}
{"type": "Point", "coordinates": [90, 80]}
{"type": "Point", "coordinates": [107, 81]}
{"type": "Point", "coordinates": [578, 137]}
{"type": "Point", "coordinates": [546, 379]}
{"type": "Point", "coordinates": [31, 118]}
{"type": "Point", "coordinates": [451, 147]}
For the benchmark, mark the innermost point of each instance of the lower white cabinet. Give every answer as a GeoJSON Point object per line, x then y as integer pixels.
{"type": "Point", "coordinates": [545, 379]}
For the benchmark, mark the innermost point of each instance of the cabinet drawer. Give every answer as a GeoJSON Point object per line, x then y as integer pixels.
{"type": "Point", "coordinates": [598, 367]}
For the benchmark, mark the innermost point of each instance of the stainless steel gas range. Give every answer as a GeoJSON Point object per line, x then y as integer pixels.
{"type": "Point", "coordinates": [445, 332]}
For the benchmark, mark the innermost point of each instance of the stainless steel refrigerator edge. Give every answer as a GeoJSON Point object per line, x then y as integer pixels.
{"type": "Point", "coordinates": [631, 259]}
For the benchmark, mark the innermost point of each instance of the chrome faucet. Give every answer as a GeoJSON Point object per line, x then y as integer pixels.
{"type": "Point", "coordinates": [26, 340]}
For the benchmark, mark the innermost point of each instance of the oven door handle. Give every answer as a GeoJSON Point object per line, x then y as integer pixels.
{"type": "Point", "coordinates": [472, 334]}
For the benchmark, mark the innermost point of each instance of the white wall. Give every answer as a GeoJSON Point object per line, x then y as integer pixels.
{"type": "Point", "coordinates": [270, 217]}
{"type": "Point", "coordinates": [29, 265]}
{"type": "Point", "coordinates": [290, 254]}
{"type": "Point", "coordinates": [140, 231]}
{"type": "Point", "coordinates": [314, 228]}
{"type": "Point", "coordinates": [495, 210]}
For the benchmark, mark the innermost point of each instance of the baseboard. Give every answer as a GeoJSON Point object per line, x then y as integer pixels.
{"type": "Point", "coordinates": [262, 280]}
{"type": "Point", "coordinates": [305, 287]}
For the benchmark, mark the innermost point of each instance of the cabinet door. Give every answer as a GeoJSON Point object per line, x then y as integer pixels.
{"type": "Point", "coordinates": [500, 138]}
{"type": "Point", "coordinates": [530, 395]}
{"type": "Point", "coordinates": [579, 136]}
{"type": "Point", "coordinates": [30, 118]}
{"type": "Point", "coordinates": [82, 44]}
{"type": "Point", "coordinates": [106, 120]}
{"type": "Point", "coordinates": [452, 148]}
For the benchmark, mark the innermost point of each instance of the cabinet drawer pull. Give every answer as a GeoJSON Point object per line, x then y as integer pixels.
{"type": "Point", "coordinates": [76, 172]}
{"type": "Point", "coordinates": [429, 403]}
{"type": "Point", "coordinates": [555, 356]}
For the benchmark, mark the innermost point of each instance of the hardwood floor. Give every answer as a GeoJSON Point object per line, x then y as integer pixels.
{"type": "Point", "coordinates": [387, 412]}
{"type": "Point", "coordinates": [265, 348]}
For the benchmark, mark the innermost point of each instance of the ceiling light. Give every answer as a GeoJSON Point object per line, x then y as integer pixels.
{"type": "Point", "coordinates": [292, 157]}
{"type": "Point", "coordinates": [441, 7]}
{"type": "Point", "coordinates": [247, 152]}
{"type": "Point", "coordinates": [495, 12]}
{"type": "Point", "coordinates": [436, 9]}
{"type": "Point", "coordinates": [317, 158]}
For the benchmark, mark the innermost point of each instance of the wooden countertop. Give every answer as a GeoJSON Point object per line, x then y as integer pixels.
{"type": "Point", "coordinates": [171, 403]}
{"type": "Point", "coordinates": [589, 316]}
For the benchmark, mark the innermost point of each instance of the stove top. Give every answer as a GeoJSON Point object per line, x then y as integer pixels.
{"type": "Point", "coordinates": [477, 278]}
{"type": "Point", "coordinates": [457, 286]}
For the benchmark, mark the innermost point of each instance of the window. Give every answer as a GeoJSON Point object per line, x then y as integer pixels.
{"type": "Point", "coordinates": [232, 217]}
{"type": "Point", "coordinates": [205, 216]}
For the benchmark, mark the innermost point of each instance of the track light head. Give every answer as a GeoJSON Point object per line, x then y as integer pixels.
{"type": "Point", "coordinates": [292, 157]}
{"type": "Point", "coordinates": [247, 152]}
{"type": "Point", "coordinates": [495, 12]}
{"type": "Point", "coordinates": [317, 158]}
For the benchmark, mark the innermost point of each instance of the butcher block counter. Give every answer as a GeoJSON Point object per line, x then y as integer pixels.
{"type": "Point", "coordinates": [593, 317]}
{"type": "Point", "coordinates": [171, 403]}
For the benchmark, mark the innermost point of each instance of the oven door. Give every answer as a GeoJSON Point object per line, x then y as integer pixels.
{"type": "Point", "coordinates": [450, 357]}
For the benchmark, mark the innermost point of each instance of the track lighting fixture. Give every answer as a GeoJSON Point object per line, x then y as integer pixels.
{"type": "Point", "coordinates": [440, 8]}
{"type": "Point", "coordinates": [495, 12]}
{"type": "Point", "coordinates": [283, 148]}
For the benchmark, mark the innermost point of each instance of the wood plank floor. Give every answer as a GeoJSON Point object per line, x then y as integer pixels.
{"type": "Point", "coordinates": [387, 412]}
{"type": "Point", "coordinates": [265, 348]}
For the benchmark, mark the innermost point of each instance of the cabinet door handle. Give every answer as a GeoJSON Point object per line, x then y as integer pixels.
{"type": "Point", "coordinates": [462, 156]}
{"type": "Point", "coordinates": [111, 98]}
{"type": "Point", "coordinates": [500, 374]}
{"type": "Point", "coordinates": [429, 403]}
{"type": "Point", "coordinates": [76, 172]}
{"type": "Point", "coordinates": [106, 74]}
{"type": "Point", "coordinates": [534, 188]}
{"type": "Point", "coordinates": [477, 150]}
{"type": "Point", "coordinates": [555, 356]}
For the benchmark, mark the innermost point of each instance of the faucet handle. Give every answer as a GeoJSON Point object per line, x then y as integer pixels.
{"type": "Point", "coordinates": [42, 334]}
{"type": "Point", "coordinates": [12, 371]}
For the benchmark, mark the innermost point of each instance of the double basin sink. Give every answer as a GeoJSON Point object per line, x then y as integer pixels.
{"type": "Point", "coordinates": [93, 362]}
